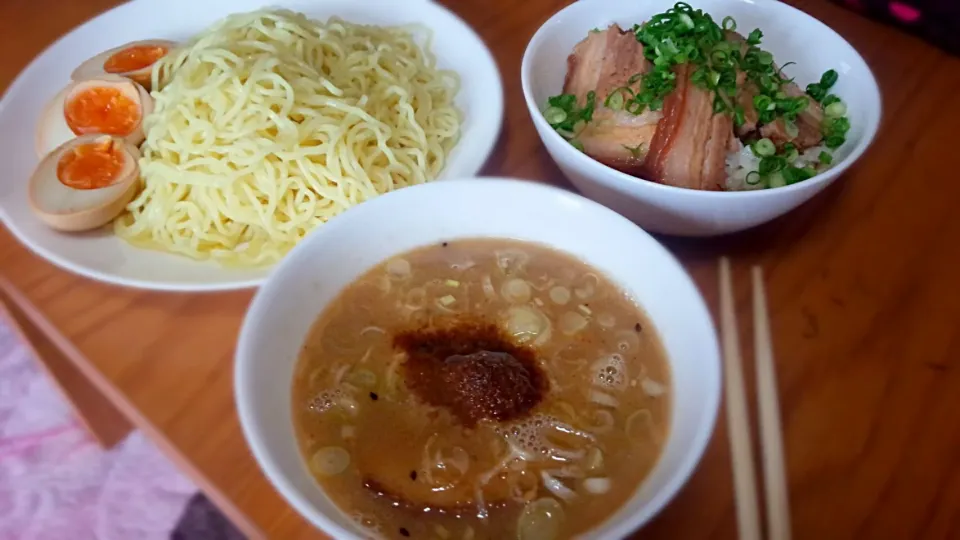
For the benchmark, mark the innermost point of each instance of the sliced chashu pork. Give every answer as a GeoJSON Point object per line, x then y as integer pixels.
{"type": "Point", "coordinates": [809, 123]}
{"type": "Point", "coordinates": [691, 143]}
{"type": "Point", "coordinates": [746, 90]}
{"type": "Point", "coordinates": [602, 63]}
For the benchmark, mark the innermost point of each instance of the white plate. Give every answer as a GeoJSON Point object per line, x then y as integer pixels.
{"type": "Point", "coordinates": [102, 256]}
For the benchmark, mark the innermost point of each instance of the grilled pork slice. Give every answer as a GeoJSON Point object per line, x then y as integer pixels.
{"type": "Point", "coordinates": [746, 90]}
{"type": "Point", "coordinates": [602, 63]}
{"type": "Point", "coordinates": [809, 123]}
{"type": "Point", "coordinates": [619, 139]}
{"type": "Point", "coordinates": [691, 143]}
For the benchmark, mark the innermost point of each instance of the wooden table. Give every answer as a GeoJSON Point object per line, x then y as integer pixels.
{"type": "Point", "coordinates": [862, 280]}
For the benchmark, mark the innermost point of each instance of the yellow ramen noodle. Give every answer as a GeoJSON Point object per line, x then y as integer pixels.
{"type": "Point", "coordinates": [268, 124]}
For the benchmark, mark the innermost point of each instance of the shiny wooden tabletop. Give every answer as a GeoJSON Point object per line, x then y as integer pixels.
{"type": "Point", "coordinates": [862, 284]}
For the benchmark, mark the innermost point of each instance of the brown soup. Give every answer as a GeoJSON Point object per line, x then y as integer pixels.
{"type": "Point", "coordinates": [481, 388]}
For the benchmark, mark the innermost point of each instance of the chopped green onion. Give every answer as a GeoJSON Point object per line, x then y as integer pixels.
{"type": "Point", "coordinates": [714, 78]}
{"type": "Point", "coordinates": [756, 178]}
{"type": "Point", "coordinates": [825, 157]}
{"type": "Point", "coordinates": [564, 101]}
{"type": "Point", "coordinates": [565, 116]}
{"type": "Point", "coordinates": [576, 144]}
{"type": "Point", "coordinates": [828, 79]}
{"type": "Point", "coordinates": [452, 283]}
{"type": "Point", "coordinates": [447, 300]}
{"type": "Point", "coordinates": [668, 47]}
{"type": "Point", "coordinates": [771, 164]}
{"type": "Point", "coordinates": [614, 100]}
{"type": "Point", "coordinates": [635, 151]}
{"type": "Point", "coordinates": [634, 107]}
{"type": "Point", "coordinates": [719, 105]}
{"type": "Point", "coordinates": [834, 131]}
{"type": "Point", "coordinates": [768, 83]}
{"type": "Point", "coordinates": [791, 153]}
{"type": "Point", "coordinates": [634, 78]}
{"type": "Point", "coordinates": [776, 180]}
{"type": "Point", "coordinates": [763, 103]}
{"type": "Point", "coordinates": [816, 91]}
{"type": "Point", "coordinates": [835, 110]}
{"type": "Point", "coordinates": [791, 128]}
{"type": "Point", "coordinates": [841, 125]}
{"type": "Point", "coordinates": [554, 115]}
{"type": "Point", "coordinates": [738, 116]}
{"type": "Point", "coordinates": [792, 175]}
{"type": "Point", "coordinates": [685, 35]}
{"type": "Point", "coordinates": [835, 141]}
{"type": "Point", "coordinates": [764, 148]}
{"type": "Point", "coordinates": [830, 100]}
{"type": "Point", "coordinates": [586, 113]}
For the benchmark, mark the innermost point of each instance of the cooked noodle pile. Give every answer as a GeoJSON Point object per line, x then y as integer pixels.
{"type": "Point", "coordinates": [269, 124]}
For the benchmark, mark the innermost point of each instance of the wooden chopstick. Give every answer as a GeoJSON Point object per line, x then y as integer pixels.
{"type": "Point", "coordinates": [771, 434]}
{"type": "Point", "coordinates": [738, 419]}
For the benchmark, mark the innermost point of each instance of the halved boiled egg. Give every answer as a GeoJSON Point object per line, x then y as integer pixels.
{"type": "Point", "coordinates": [108, 104]}
{"type": "Point", "coordinates": [85, 183]}
{"type": "Point", "coordinates": [134, 60]}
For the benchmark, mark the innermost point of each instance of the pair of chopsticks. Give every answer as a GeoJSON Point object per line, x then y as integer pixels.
{"type": "Point", "coordinates": [738, 418]}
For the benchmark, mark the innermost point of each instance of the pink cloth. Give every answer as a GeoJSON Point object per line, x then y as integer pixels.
{"type": "Point", "coordinates": [55, 481]}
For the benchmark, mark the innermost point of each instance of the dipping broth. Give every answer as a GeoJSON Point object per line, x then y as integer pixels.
{"type": "Point", "coordinates": [481, 388]}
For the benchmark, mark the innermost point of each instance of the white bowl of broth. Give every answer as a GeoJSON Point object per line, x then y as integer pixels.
{"type": "Point", "coordinates": [483, 358]}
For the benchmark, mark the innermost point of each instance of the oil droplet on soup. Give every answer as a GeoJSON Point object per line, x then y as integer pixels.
{"type": "Point", "coordinates": [481, 388]}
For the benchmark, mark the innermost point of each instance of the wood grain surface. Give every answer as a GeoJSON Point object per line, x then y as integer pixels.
{"type": "Point", "coordinates": [861, 281]}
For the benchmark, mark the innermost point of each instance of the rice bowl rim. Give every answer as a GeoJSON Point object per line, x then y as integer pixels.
{"type": "Point", "coordinates": [869, 93]}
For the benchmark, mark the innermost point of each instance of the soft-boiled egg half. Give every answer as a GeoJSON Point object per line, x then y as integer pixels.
{"type": "Point", "coordinates": [107, 104]}
{"type": "Point", "coordinates": [85, 183]}
{"type": "Point", "coordinates": [134, 60]}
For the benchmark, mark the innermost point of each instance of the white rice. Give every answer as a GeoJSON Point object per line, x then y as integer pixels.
{"type": "Point", "coordinates": [742, 162]}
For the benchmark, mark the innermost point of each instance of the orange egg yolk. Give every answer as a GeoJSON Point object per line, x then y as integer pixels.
{"type": "Point", "coordinates": [134, 58]}
{"type": "Point", "coordinates": [102, 109]}
{"type": "Point", "coordinates": [92, 165]}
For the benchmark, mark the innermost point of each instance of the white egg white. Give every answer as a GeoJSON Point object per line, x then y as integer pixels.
{"type": "Point", "coordinates": [68, 209]}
